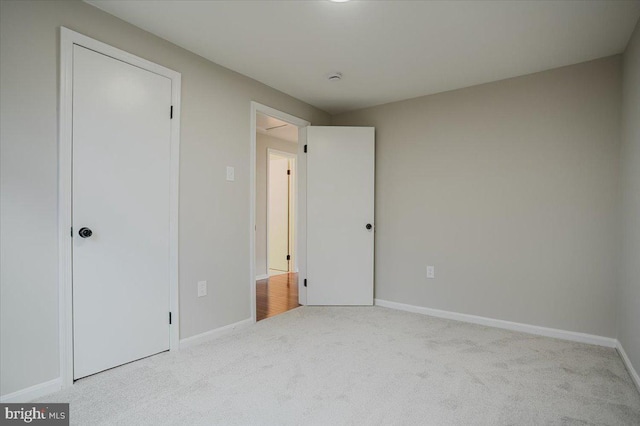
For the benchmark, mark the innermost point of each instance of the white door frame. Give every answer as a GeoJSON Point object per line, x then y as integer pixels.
{"type": "Point", "coordinates": [300, 196]}
{"type": "Point", "coordinates": [294, 189]}
{"type": "Point", "coordinates": [68, 39]}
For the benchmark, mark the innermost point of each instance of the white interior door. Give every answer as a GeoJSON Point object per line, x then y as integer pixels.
{"type": "Point", "coordinates": [121, 188]}
{"type": "Point", "coordinates": [340, 215]}
{"type": "Point", "coordinates": [278, 233]}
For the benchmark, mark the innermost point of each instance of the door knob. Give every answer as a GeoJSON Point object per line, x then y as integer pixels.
{"type": "Point", "coordinates": [369, 226]}
{"type": "Point", "coordinates": [85, 232]}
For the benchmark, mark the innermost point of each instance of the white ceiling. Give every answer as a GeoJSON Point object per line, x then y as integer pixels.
{"type": "Point", "coordinates": [386, 50]}
{"type": "Point", "coordinates": [268, 125]}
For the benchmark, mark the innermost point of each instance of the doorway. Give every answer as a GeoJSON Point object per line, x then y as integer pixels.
{"type": "Point", "coordinates": [275, 286]}
{"type": "Point", "coordinates": [328, 178]}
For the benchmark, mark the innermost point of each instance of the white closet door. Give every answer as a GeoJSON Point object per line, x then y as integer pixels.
{"type": "Point", "coordinates": [121, 177]}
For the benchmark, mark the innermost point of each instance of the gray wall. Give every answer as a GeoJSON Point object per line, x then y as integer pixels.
{"type": "Point", "coordinates": [214, 213]}
{"type": "Point", "coordinates": [629, 290]}
{"type": "Point", "coordinates": [264, 142]}
{"type": "Point", "coordinates": [511, 190]}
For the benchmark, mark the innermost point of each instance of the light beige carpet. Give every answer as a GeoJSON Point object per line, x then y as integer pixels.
{"type": "Point", "coordinates": [364, 366]}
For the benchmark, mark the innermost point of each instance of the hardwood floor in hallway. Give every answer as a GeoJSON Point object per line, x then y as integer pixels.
{"type": "Point", "coordinates": [276, 294]}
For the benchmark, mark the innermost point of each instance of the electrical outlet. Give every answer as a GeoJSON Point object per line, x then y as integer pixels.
{"type": "Point", "coordinates": [231, 174]}
{"type": "Point", "coordinates": [431, 272]}
{"type": "Point", "coordinates": [202, 288]}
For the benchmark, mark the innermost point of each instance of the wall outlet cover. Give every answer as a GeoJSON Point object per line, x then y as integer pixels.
{"type": "Point", "coordinates": [431, 272]}
{"type": "Point", "coordinates": [231, 173]}
{"type": "Point", "coordinates": [202, 288]}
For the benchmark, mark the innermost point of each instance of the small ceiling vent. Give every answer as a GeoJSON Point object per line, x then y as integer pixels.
{"type": "Point", "coordinates": [335, 76]}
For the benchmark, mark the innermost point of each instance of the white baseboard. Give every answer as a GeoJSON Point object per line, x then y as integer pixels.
{"type": "Point", "coordinates": [212, 334]}
{"type": "Point", "coordinates": [515, 326]}
{"type": "Point", "coordinates": [33, 392]}
{"type": "Point", "coordinates": [43, 389]}
{"type": "Point", "coordinates": [262, 277]}
{"type": "Point", "coordinates": [627, 363]}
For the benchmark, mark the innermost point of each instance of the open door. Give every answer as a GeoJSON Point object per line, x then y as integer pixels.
{"type": "Point", "coordinates": [340, 215]}
{"type": "Point", "coordinates": [278, 213]}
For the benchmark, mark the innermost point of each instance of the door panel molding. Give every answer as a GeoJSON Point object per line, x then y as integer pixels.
{"type": "Point", "coordinates": [68, 39]}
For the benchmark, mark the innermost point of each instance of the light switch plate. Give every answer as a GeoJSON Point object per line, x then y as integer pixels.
{"type": "Point", "coordinates": [202, 288]}
{"type": "Point", "coordinates": [231, 174]}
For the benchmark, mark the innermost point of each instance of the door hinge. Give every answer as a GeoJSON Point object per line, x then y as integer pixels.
{"type": "Point", "coordinates": [288, 257]}
{"type": "Point", "coordinates": [305, 282]}
{"type": "Point", "coordinates": [171, 112]}
{"type": "Point", "coordinates": [288, 172]}
{"type": "Point", "coordinates": [305, 148]}
{"type": "Point", "coordinates": [169, 318]}
{"type": "Point", "coordinates": [72, 232]}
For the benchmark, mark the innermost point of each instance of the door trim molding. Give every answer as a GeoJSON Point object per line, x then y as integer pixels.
{"type": "Point", "coordinates": [294, 188]}
{"type": "Point", "coordinates": [256, 107]}
{"type": "Point", "coordinates": [67, 39]}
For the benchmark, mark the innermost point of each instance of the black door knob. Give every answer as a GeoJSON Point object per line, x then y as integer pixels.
{"type": "Point", "coordinates": [85, 232]}
{"type": "Point", "coordinates": [369, 226]}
